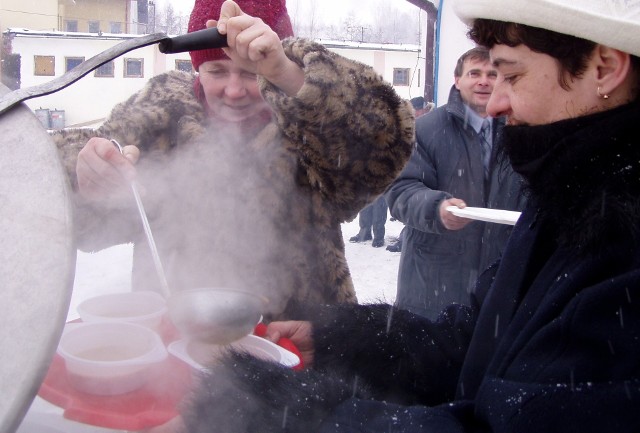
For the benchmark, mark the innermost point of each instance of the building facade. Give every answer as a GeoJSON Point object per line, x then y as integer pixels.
{"type": "Point", "coordinates": [90, 16]}
{"type": "Point", "coordinates": [42, 56]}
{"type": "Point", "coordinates": [32, 14]}
{"type": "Point", "coordinates": [95, 16]}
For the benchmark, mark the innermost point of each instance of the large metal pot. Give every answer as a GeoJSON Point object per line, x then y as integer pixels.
{"type": "Point", "coordinates": [37, 259]}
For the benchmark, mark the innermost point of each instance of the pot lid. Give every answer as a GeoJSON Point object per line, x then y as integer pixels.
{"type": "Point", "coordinates": [37, 259]}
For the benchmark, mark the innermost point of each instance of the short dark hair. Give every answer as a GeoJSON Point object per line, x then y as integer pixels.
{"type": "Point", "coordinates": [572, 53]}
{"type": "Point", "coordinates": [478, 53]}
{"type": "Point", "coordinates": [417, 102]}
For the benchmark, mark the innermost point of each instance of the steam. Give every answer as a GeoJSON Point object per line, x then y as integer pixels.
{"type": "Point", "coordinates": [217, 212]}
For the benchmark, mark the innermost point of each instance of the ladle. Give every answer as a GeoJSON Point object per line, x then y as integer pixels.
{"type": "Point", "coordinates": [210, 315]}
{"type": "Point", "coordinates": [164, 286]}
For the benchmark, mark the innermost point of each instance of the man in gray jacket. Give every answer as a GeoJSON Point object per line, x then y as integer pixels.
{"type": "Point", "coordinates": [455, 163]}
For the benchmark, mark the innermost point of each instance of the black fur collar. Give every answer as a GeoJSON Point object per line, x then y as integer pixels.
{"type": "Point", "coordinates": [583, 174]}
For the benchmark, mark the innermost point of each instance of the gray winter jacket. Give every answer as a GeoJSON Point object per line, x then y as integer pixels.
{"type": "Point", "coordinates": [438, 266]}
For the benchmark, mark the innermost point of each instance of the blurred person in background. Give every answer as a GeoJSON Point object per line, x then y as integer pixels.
{"type": "Point", "coordinates": [372, 219]}
{"type": "Point", "coordinates": [421, 108]}
{"type": "Point", "coordinates": [550, 341]}
{"type": "Point", "coordinates": [453, 164]}
{"type": "Point", "coordinates": [245, 184]}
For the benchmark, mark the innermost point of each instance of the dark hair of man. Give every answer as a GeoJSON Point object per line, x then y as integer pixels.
{"type": "Point", "coordinates": [478, 53]}
{"type": "Point", "coordinates": [571, 53]}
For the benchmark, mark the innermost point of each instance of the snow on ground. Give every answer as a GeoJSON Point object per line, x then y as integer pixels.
{"type": "Point", "coordinates": [374, 270]}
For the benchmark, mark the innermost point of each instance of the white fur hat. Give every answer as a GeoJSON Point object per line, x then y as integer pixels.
{"type": "Point", "coordinates": [614, 23]}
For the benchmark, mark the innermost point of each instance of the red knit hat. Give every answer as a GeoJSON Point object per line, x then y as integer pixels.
{"type": "Point", "coordinates": [272, 12]}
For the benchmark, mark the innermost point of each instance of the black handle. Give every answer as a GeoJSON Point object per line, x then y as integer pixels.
{"type": "Point", "coordinates": [198, 40]}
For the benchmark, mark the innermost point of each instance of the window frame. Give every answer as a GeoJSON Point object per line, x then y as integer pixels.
{"type": "Point", "coordinates": [115, 27]}
{"type": "Point", "coordinates": [127, 61]}
{"type": "Point", "coordinates": [67, 23]}
{"type": "Point", "coordinates": [93, 23]}
{"type": "Point", "coordinates": [405, 74]}
{"type": "Point", "coordinates": [98, 73]}
{"type": "Point", "coordinates": [184, 62]}
{"type": "Point", "coordinates": [45, 71]}
{"type": "Point", "coordinates": [72, 58]}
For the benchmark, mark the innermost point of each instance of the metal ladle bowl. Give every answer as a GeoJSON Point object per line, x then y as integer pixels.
{"type": "Point", "coordinates": [215, 315]}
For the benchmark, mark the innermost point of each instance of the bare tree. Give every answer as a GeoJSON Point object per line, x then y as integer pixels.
{"type": "Point", "coordinates": [313, 18]}
{"type": "Point", "coordinates": [306, 20]}
{"type": "Point", "coordinates": [391, 25]}
{"type": "Point", "coordinates": [388, 24]}
{"type": "Point", "coordinates": [355, 29]}
{"type": "Point", "coordinates": [294, 15]}
{"type": "Point", "coordinates": [170, 22]}
{"type": "Point", "coordinates": [331, 31]}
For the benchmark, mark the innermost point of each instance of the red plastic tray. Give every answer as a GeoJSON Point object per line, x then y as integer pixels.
{"type": "Point", "coordinates": [154, 404]}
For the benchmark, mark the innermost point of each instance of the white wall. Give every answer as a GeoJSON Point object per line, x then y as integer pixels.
{"type": "Point", "coordinates": [452, 44]}
{"type": "Point", "coordinates": [414, 62]}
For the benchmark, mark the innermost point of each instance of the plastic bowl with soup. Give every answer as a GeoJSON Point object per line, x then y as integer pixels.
{"type": "Point", "coordinates": [110, 358]}
{"type": "Point", "coordinates": [143, 307]}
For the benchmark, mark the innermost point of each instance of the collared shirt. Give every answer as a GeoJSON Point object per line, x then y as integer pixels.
{"type": "Point", "coordinates": [475, 120]}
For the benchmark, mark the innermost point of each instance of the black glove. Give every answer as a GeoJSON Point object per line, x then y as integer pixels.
{"type": "Point", "coordinates": [244, 394]}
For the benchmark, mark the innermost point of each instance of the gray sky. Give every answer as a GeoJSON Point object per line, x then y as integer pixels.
{"type": "Point", "coordinates": [331, 11]}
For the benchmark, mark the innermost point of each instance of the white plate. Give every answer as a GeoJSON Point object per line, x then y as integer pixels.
{"type": "Point", "coordinates": [198, 354]}
{"type": "Point", "coordinates": [483, 214]}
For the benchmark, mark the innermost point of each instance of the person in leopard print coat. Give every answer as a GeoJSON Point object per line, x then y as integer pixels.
{"type": "Point", "coordinates": [246, 180]}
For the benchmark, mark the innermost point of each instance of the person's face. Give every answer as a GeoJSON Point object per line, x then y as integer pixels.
{"type": "Point", "coordinates": [231, 92]}
{"type": "Point", "coordinates": [476, 84]}
{"type": "Point", "coordinates": [528, 90]}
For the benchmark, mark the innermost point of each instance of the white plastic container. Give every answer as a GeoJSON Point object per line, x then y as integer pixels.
{"type": "Point", "coordinates": [198, 355]}
{"type": "Point", "coordinates": [110, 358]}
{"type": "Point", "coordinates": [143, 307]}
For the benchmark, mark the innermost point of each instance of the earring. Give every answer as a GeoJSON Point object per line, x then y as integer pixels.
{"type": "Point", "coordinates": [600, 95]}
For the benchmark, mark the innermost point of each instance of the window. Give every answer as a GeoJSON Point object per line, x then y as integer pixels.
{"type": "Point", "coordinates": [70, 25]}
{"type": "Point", "coordinates": [72, 62]}
{"type": "Point", "coordinates": [44, 65]}
{"type": "Point", "coordinates": [184, 66]}
{"type": "Point", "coordinates": [134, 68]}
{"type": "Point", "coordinates": [115, 27]}
{"type": "Point", "coordinates": [105, 70]}
{"type": "Point", "coordinates": [94, 26]}
{"type": "Point", "coordinates": [401, 76]}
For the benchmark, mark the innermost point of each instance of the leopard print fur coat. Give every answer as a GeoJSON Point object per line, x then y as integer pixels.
{"type": "Point", "coordinates": [259, 210]}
